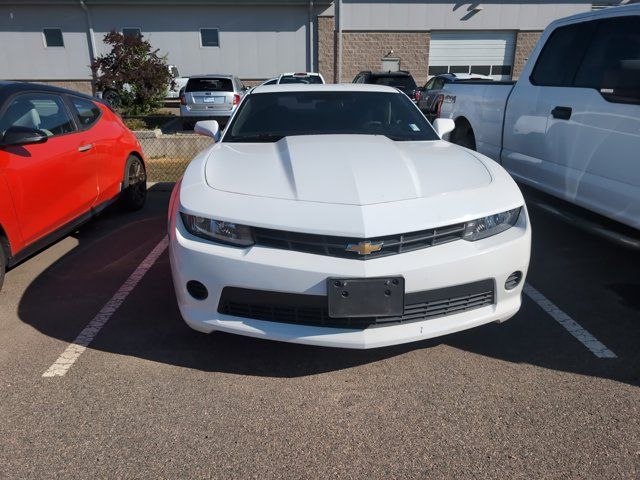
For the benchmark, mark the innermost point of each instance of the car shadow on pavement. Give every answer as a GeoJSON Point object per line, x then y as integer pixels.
{"type": "Point", "coordinates": [70, 292]}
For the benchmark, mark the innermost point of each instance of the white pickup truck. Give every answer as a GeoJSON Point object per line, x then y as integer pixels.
{"type": "Point", "coordinates": [570, 126]}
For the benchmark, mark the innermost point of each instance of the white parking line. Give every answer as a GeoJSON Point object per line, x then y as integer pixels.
{"type": "Point", "coordinates": [592, 343]}
{"type": "Point", "coordinates": [62, 365]}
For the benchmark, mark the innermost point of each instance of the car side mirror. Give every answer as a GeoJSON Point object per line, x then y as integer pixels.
{"type": "Point", "coordinates": [208, 128]}
{"type": "Point", "coordinates": [23, 136]}
{"type": "Point", "coordinates": [442, 126]}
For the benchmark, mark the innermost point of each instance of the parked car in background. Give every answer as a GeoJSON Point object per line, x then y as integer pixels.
{"type": "Point", "coordinates": [177, 82]}
{"type": "Point", "coordinates": [570, 126]}
{"type": "Point", "coordinates": [213, 97]}
{"type": "Point", "coordinates": [401, 80]}
{"type": "Point", "coordinates": [429, 98]}
{"type": "Point", "coordinates": [64, 157]}
{"type": "Point", "coordinates": [114, 99]}
{"type": "Point", "coordinates": [301, 77]}
{"type": "Point", "coordinates": [335, 215]}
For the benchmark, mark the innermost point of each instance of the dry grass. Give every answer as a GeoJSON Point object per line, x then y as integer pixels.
{"type": "Point", "coordinates": [165, 169]}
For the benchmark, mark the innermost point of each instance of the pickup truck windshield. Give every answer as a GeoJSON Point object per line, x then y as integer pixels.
{"type": "Point", "coordinates": [268, 117]}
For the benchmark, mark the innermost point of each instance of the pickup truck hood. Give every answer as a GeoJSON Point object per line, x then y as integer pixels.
{"type": "Point", "coordinates": [344, 169]}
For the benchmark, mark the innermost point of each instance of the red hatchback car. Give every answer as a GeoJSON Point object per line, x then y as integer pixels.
{"type": "Point", "coordinates": [64, 157]}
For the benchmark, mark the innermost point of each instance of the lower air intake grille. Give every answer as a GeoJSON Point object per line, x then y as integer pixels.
{"type": "Point", "coordinates": [311, 310]}
{"type": "Point", "coordinates": [513, 280]}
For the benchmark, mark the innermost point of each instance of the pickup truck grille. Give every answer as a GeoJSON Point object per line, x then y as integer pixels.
{"type": "Point", "coordinates": [339, 246]}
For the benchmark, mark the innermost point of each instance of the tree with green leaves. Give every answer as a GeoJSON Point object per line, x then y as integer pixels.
{"type": "Point", "coordinates": [132, 76]}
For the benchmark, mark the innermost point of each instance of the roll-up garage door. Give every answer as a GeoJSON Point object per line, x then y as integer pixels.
{"type": "Point", "coordinates": [482, 52]}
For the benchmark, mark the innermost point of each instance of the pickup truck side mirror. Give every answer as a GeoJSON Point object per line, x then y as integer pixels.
{"type": "Point", "coordinates": [23, 136]}
{"type": "Point", "coordinates": [442, 126]}
{"type": "Point", "coordinates": [208, 128]}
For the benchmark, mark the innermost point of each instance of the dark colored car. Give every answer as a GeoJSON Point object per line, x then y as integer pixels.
{"type": "Point", "coordinates": [429, 98]}
{"type": "Point", "coordinates": [400, 79]}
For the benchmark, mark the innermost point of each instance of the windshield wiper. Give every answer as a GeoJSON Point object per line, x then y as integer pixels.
{"type": "Point", "coordinates": [396, 138]}
{"type": "Point", "coordinates": [256, 138]}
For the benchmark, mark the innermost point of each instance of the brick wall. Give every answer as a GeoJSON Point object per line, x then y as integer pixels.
{"type": "Point", "coordinates": [83, 86]}
{"type": "Point", "coordinates": [364, 51]}
{"type": "Point", "coordinates": [253, 82]}
{"type": "Point", "coordinates": [525, 41]}
{"type": "Point", "coordinates": [326, 48]}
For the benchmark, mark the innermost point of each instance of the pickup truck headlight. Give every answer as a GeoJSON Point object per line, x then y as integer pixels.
{"type": "Point", "coordinates": [218, 231]}
{"type": "Point", "coordinates": [491, 225]}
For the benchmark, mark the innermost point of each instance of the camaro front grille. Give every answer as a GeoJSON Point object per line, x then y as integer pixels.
{"type": "Point", "coordinates": [311, 310]}
{"type": "Point", "coordinates": [338, 246]}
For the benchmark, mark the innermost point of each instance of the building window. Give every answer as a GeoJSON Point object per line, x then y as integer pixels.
{"type": "Point", "coordinates": [501, 70]}
{"type": "Point", "coordinates": [437, 70]}
{"type": "Point", "coordinates": [131, 32]}
{"type": "Point", "coordinates": [53, 37]}
{"type": "Point", "coordinates": [481, 69]}
{"type": "Point", "coordinates": [209, 37]}
{"type": "Point", "coordinates": [459, 69]}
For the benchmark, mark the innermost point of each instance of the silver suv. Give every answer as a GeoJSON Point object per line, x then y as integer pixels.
{"type": "Point", "coordinates": [210, 97]}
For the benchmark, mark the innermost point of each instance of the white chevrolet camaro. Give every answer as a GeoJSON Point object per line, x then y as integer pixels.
{"type": "Point", "coordinates": [335, 215]}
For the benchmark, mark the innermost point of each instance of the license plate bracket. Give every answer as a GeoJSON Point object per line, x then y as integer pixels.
{"type": "Point", "coordinates": [365, 297]}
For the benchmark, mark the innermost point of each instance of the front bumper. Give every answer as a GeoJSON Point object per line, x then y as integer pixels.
{"type": "Point", "coordinates": [260, 268]}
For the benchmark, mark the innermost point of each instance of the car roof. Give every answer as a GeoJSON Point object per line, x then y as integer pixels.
{"type": "Point", "coordinates": [620, 10]}
{"type": "Point", "coordinates": [396, 73]}
{"type": "Point", "coordinates": [465, 76]}
{"type": "Point", "coordinates": [8, 88]}
{"type": "Point", "coordinates": [316, 74]}
{"type": "Point", "coordinates": [211, 75]}
{"type": "Point", "coordinates": [327, 87]}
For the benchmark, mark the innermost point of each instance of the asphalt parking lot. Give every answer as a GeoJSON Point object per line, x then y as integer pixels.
{"type": "Point", "coordinates": [150, 398]}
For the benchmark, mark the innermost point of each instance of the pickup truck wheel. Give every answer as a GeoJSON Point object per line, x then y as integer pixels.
{"type": "Point", "coordinates": [3, 263]}
{"type": "Point", "coordinates": [463, 136]}
{"type": "Point", "coordinates": [134, 192]}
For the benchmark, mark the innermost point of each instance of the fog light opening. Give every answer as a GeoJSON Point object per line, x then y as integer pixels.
{"type": "Point", "coordinates": [513, 280]}
{"type": "Point", "coordinates": [197, 290]}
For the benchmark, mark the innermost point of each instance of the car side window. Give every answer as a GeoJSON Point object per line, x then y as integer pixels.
{"type": "Point", "coordinates": [39, 111]}
{"type": "Point", "coordinates": [429, 84]}
{"type": "Point", "coordinates": [611, 63]}
{"type": "Point", "coordinates": [561, 55]}
{"type": "Point", "coordinates": [438, 84]}
{"type": "Point", "coordinates": [87, 111]}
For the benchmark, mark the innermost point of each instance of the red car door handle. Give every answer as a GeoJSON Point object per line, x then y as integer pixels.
{"type": "Point", "coordinates": [84, 148]}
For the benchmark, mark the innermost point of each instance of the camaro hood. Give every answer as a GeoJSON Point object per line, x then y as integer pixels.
{"type": "Point", "coordinates": [344, 169]}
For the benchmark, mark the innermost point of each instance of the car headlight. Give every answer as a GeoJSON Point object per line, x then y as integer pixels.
{"type": "Point", "coordinates": [218, 231]}
{"type": "Point", "coordinates": [491, 225]}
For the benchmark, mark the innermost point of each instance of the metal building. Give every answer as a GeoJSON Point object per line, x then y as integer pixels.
{"type": "Point", "coordinates": [54, 41]}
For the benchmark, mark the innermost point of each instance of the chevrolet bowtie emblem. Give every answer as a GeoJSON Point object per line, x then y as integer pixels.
{"type": "Point", "coordinates": [364, 248]}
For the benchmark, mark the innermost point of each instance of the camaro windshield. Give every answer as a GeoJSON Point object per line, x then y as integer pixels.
{"type": "Point", "coordinates": [268, 117]}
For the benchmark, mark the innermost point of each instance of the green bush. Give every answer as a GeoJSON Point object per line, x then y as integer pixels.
{"type": "Point", "coordinates": [134, 71]}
